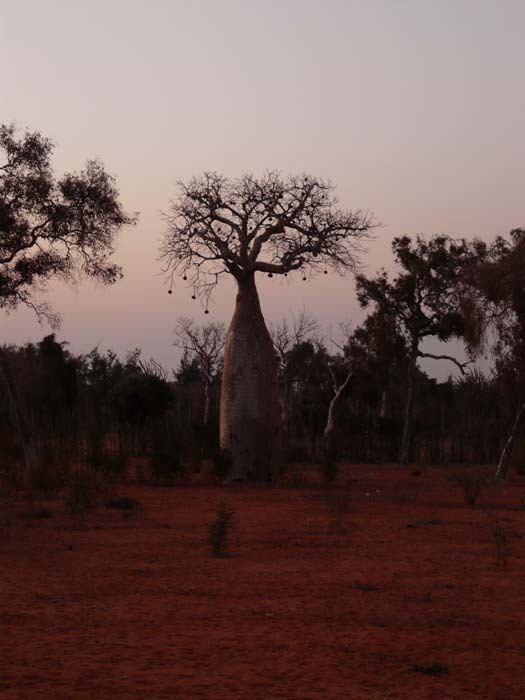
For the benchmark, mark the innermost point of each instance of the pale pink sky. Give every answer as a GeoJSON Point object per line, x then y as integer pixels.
{"type": "Point", "coordinates": [415, 109]}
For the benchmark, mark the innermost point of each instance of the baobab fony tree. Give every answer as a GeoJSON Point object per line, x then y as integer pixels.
{"type": "Point", "coordinates": [271, 225]}
{"type": "Point", "coordinates": [206, 343]}
{"type": "Point", "coordinates": [50, 228]}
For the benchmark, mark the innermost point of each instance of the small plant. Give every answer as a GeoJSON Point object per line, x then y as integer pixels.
{"type": "Point", "coordinates": [329, 469]}
{"type": "Point", "coordinates": [219, 531]}
{"type": "Point", "coordinates": [471, 482]}
{"type": "Point", "coordinates": [501, 539]}
{"type": "Point", "coordinates": [222, 464]}
{"type": "Point", "coordinates": [83, 493]}
{"type": "Point", "coordinates": [338, 504]}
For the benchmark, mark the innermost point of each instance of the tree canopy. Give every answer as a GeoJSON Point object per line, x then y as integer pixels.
{"type": "Point", "coordinates": [273, 225]}
{"type": "Point", "coordinates": [52, 227]}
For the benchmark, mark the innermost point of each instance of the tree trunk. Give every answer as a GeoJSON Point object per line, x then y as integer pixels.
{"type": "Point", "coordinates": [404, 454]}
{"type": "Point", "coordinates": [251, 409]}
{"type": "Point", "coordinates": [334, 403]}
{"type": "Point", "coordinates": [19, 413]}
{"type": "Point", "coordinates": [503, 465]}
{"type": "Point", "coordinates": [207, 401]}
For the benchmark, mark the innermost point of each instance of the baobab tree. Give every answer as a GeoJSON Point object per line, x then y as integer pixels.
{"type": "Point", "coordinates": [50, 228]}
{"type": "Point", "coordinates": [270, 225]}
{"type": "Point", "coordinates": [206, 343]}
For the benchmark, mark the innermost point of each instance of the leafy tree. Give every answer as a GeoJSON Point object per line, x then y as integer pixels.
{"type": "Point", "coordinates": [275, 226]}
{"type": "Point", "coordinates": [500, 305]}
{"type": "Point", "coordinates": [423, 301]}
{"type": "Point", "coordinates": [50, 228]}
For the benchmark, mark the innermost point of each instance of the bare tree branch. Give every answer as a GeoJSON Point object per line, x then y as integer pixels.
{"type": "Point", "coordinates": [460, 365]}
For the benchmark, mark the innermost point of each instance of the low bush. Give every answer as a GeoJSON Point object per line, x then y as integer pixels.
{"type": "Point", "coordinates": [219, 531]}
{"type": "Point", "coordinates": [338, 503]}
{"type": "Point", "coordinates": [501, 539]}
{"type": "Point", "coordinates": [165, 460]}
{"type": "Point", "coordinates": [471, 482]}
{"type": "Point", "coordinates": [84, 491]}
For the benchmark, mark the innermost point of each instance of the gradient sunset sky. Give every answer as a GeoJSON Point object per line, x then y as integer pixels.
{"type": "Point", "coordinates": [415, 109]}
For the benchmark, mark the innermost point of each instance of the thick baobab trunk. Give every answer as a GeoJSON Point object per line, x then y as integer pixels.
{"type": "Point", "coordinates": [503, 465]}
{"type": "Point", "coordinates": [251, 410]}
{"type": "Point", "coordinates": [19, 412]}
{"type": "Point", "coordinates": [404, 454]}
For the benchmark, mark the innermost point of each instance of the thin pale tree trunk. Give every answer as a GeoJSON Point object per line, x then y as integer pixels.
{"type": "Point", "coordinates": [503, 464]}
{"type": "Point", "coordinates": [251, 410]}
{"type": "Point", "coordinates": [19, 413]}
{"type": "Point", "coordinates": [334, 403]}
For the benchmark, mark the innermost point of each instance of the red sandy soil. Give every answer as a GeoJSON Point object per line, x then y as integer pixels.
{"type": "Point", "coordinates": [136, 608]}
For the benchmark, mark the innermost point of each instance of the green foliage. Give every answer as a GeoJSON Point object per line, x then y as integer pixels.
{"type": "Point", "coordinates": [219, 531]}
{"type": "Point", "coordinates": [52, 227]}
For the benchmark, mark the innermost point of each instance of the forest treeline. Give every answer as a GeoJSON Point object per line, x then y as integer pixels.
{"type": "Point", "coordinates": [253, 399]}
{"type": "Point", "coordinates": [128, 416]}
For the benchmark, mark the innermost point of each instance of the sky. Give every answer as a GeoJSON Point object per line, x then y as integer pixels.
{"type": "Point", "coordinates": [414, 109]}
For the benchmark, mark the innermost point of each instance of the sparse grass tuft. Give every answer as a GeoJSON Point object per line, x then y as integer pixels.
{"type": "Point", "coordinates": [338, 503]}
{"type": "Point", "coordinates": [471, 482]}
{"type": "Point", "coordinates": [501, 539]}
{"type": "Point", "coordinates": [219, 531]}
{"type": "Point", "coordinates": [84, 490]}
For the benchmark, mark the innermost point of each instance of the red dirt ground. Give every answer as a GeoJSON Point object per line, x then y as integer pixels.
{"type": "Point", "coordinates": [137, 608]}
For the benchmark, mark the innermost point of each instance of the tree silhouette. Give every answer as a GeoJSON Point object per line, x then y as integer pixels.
{"type": "Point", "coordinates": [272, 225]}
{"type": "Point", "coordinates": [206, 343]}
{"type": "Point", "coordinates": [500, 305]}
{"type": "Point", "coordinates": [50, 228]}
{"type": "Point", "coordinates": [423, 300]}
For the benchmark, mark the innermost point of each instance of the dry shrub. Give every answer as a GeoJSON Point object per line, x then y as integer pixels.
{"type": "Point", "coordinates": [471, 481]}
{"type": "Point", "coordinates": [338, 503]}
{"type": "Point", "coordinates": [219, 531]}
{"type": "Point", "coordinates": [501, 539]}
{"type": "Point", "coordinates": [85, 489]}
